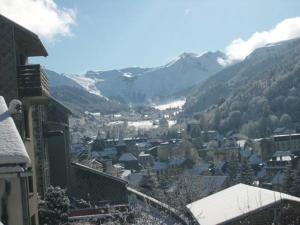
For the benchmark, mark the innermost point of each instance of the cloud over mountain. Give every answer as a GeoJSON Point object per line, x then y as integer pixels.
{"type": "Point", "coordinates": [43, 17]}
{"type": "Point", "coordinates": [239, 48]}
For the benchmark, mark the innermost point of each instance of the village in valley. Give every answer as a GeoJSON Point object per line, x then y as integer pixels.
{"type": "Point", "coordinates": [164, 162]}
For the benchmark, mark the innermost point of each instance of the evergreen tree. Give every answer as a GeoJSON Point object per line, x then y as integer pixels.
{"type": "Point", "coordinates": [232, 170]}
{"type": "Point", "coordinates": [288, 179]}
{"type": "Point", "coordinates": [148, 184]}
{"type": "Point", "coordinates": [246, 175]}
{"type": "Point", "coordinates": [295, 189]}
{"type": "Point", "coordinates": [53, 209]}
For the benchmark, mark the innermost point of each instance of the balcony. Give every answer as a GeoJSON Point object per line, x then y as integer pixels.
{"type": "Point", "coordinates": [32, 82]}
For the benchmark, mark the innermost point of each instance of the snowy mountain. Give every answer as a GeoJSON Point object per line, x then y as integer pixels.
{"type": "Point", "coordinates": [81, 96]}
{"type": "Point", "coordinates": [139, 85]}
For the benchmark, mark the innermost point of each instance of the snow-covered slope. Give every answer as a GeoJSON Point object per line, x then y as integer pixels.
{"type": "Point", "coordinates": [87, 83]}
{"type": "Point", "coordinates": [138, 85]}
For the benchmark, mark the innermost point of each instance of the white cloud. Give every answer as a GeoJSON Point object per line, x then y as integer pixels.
{"type": "Point", "coordinates": [43, 17]}
{"type": "Point", "coordinates": [239, 49]}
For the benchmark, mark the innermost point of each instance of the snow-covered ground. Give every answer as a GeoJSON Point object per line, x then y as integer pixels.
{"type": "Point", "coordinates": [141, 124]}
{"type": "Point", "coordinates": [171, 105]}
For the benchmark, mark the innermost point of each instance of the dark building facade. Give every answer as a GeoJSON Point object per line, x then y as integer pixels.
{"type": "Point", "coordinates": [27, 83]}
{"type": "Point", "coordinates": [97, 187]}
{"type": "Point", "coordinates": [282, 212]}
{"type": "Point", "coordinates": [41, 113]}
{"type": "Point", "coordinates": [58, 138]}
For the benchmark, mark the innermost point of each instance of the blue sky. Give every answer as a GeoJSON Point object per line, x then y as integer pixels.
{"type": "Point", "coordinates": [113, 34]}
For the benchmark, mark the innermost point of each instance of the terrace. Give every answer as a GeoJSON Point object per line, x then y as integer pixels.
{"type": "Point", "coordinates": [32, 81]}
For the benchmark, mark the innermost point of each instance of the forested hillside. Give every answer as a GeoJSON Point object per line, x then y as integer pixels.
{"type": "Point", "coordinates": [254, 96]}
{"type": "Point", "coordinates": [79, 100]}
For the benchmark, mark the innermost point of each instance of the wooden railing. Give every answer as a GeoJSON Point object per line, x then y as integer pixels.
{"type": "Point", "coordinates": [32, 81]}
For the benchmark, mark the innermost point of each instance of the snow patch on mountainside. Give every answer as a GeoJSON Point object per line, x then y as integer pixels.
{"type": "Point", "coordinates": [127, 75]}
{"type": "Point", "coordinates": [87, 83]}
{"type": "Point", "coordinates": [171, 105]}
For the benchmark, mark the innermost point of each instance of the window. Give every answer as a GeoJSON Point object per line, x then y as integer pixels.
{"type": "Point", "coordinates": [30, 184]}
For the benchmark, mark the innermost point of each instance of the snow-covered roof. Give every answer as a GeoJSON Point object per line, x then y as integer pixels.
{"type": "Point", "coordinates": [127, 157]}
{"type": "Point", "coordinates": [124, 175]}
{"type": "Point", "coordinates": [143, 154]}
{"type": "Point", "coordinates": [12, 149]}
{"type": "Point", "coordinates": [97, 172]}
{"type": "Point", "coordinates": [235, 201]}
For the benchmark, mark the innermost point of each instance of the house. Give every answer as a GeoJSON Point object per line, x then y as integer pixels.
{"type": "Point", "coordinates": [286, 142]}
{"type": "Point", "coordinates": [130, 161]}
{"type": "Point", "coordinates": [244, 204]}
{"type": "Point", "coordinates": [15, 186]}
{"type": "Point", "coordinates": [97, 187]}
{"type": "Point", "coordinates": [264, 147]}
{"type": "Point", "coordinates": [165, 150]}
{"type": "Point", "coordinates": [145, 159]}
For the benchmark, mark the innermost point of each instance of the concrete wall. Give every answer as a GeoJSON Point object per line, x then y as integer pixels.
{"type": "Point", "coordinates": [14, 201]}
{"type": "Point", "coordinates": [39, 119]}
{"type": "Point", "coordinates": [29, 144]}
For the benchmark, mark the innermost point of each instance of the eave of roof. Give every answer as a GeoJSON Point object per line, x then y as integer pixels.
{"type": "Point", "coordinates": [42, 50]}
{"type": "Point", "coordinates": [98, 172]}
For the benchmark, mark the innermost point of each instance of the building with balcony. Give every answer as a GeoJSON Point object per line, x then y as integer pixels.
{"type": "Point", "coordinates": [28, 83]}
{"type": "Point", "coordinates": [286, 142]}
{"type": "Point", "coordinates": [38, 125]}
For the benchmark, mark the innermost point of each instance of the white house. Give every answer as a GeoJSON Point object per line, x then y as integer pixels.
{"type": "Point", "coordinates": [14, 162]}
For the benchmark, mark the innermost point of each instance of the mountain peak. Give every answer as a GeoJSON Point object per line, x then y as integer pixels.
{"type": "Point", "coordinates": [188, 55]}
